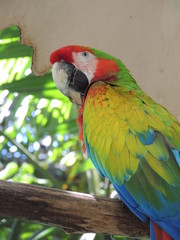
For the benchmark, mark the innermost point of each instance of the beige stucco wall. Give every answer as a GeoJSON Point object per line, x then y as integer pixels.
{"type": "Point", "coordinates": [144, 34]}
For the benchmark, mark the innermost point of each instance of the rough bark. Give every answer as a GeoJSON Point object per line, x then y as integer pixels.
{"type": "Point", "coordinates": [72, 211]}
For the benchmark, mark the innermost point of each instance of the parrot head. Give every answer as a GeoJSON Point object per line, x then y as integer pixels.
{"type": "Point", "coordinates": [75, 68]}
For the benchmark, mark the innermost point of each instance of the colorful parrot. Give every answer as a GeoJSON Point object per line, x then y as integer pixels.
{"type": "Point", "coordinates": [130, 139]}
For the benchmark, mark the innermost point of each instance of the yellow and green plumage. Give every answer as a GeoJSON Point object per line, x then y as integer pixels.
{"type": "Point", "coordinates": [132, 140]}
{"type": "Point", "coordinates": [116, 124]}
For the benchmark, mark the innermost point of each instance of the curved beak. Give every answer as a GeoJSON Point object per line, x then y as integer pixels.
{"type": "Point", "coordinates": [70, 81]}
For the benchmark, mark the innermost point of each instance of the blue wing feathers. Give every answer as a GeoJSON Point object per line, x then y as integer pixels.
{"type": "Point", "coordinates": [130, 202]}
{"type": "Point", "coordinates": [94, 160]}
{"type": "Point", "coordinates": [147, 137]}
{"type": "Point", "coordinates": [152, 234]}
{"type": "Point", "coordinates": [177, 156]}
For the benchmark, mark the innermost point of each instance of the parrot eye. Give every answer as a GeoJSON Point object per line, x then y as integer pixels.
{"type": "Point", "coordinates": [84, 54]}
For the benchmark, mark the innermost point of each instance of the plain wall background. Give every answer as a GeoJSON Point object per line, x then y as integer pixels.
{"type": "Point", "coordinates": [144, 34]}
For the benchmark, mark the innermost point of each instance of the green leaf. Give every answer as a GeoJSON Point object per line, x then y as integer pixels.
{"type": "Point", "coordinates": [14, 50]}
{"type": "Point", "coordinates": [11, 32]}
{"type": "Point", "coordinates": [27, 168]}
{"type": "Point", "coordinates": [14, 234]}
{"type": "Point", "coordinates": [37, 86]}
{"type": "Point", "coordinates": [10, 169]}
{"type": "Point", "coordinates": [86, 165]}
{"type": "Point", "coordinates": [44, 233]}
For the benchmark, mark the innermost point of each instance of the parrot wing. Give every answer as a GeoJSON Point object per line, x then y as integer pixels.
{"type": "Point", "coordinates": [135, 142]}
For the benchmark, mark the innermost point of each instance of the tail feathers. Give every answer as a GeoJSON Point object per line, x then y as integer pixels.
{"type": "Point", "coordinates": [166, 236]}
{"type": "Point", "coordinates": [160, 234]}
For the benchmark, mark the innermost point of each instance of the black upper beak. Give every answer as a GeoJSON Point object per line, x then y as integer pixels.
{"type": "Point", "coordinates": [78, 81]}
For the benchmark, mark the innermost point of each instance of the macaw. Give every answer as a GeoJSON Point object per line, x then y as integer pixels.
{"type": "Point", "coordinates": [131, 139]}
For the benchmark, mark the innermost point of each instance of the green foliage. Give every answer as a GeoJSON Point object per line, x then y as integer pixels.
{"type": "Point", "coordinates": [38, 138]}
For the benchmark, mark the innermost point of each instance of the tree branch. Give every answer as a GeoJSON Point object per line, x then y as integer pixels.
{"type": "Point", "coordinates": [74, 212]}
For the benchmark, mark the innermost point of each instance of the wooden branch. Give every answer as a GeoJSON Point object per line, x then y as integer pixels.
{"type": "Point", "coordinates": [72, 211]}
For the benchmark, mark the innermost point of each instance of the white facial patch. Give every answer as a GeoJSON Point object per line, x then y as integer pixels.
{"type": "Point", "coordinates": [60, 77]}
{"type": "Point", "coordinates": [85, 62]}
